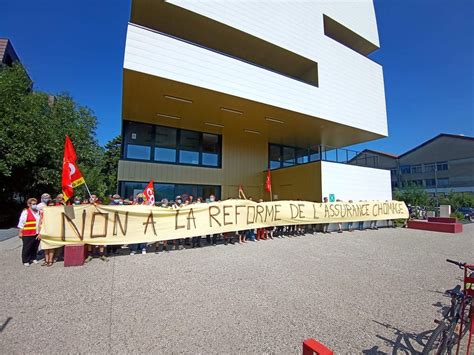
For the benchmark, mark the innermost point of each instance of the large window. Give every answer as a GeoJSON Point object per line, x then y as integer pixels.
{"type": "Point", "coordinates": [165, 144]}
{"type": "Point", "coordinates": [274, 156]}
{"type": "Point", "coordinates": [189, 147]}
{"type": "Point", "coordinates": [417, 182]}
{"type": "Point", "coordinates": [289, 156]}
{"type": "Point", "coordinates": [442, 166]}
{"type": "Point", "coordinates": [443, 182]}
{"type": "Point", "coordinates": [405, 169]}
{"type": "Point", "coordinates": [171, 145]}
{"type": "Point", "coordinates": [429, 168]}
{"type": "Point", "coordinates": [416, 169]}
{"type": "Point", "coordinates": [130, 189]}
{"type": "Point", "coordinates": [210, 149]}
{"type": "Point", "coordinates": [138, 141]}
{"type": "Point", "coordinates": [430, 182]}
{"type": "Point", "coordinates": [280, 156]}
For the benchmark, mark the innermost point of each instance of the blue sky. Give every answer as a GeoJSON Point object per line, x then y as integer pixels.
{"type": "Point", "coordinates": [427, 51]}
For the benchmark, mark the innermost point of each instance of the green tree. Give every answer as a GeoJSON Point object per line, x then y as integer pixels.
{"type": "Point", "coordinates": [109, 164]}
{"type": "Point", "coordinates": [32, 137]}
{"type": "Point", "coordinates": [413, 195]}
{"type": "Point", "coordinates": [457, 200]}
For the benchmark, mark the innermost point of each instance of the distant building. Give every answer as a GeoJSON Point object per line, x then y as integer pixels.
{"type": "Point", "coordinates": [442, 164]}
{"type": "Point", "coordinates": [8, 55]}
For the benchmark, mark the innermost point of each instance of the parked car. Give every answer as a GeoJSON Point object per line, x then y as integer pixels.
{"type": "Point", "coordinates": [468, 212]}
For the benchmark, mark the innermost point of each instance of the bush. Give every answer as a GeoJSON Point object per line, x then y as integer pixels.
{"type": "Point", "coordinates": [458, 215]}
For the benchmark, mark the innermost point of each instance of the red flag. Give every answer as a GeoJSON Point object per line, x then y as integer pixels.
{"type": "Point", "coordinates": [149, 194]}
{"type": "Point", "coordinates": [268, 183]}
{"type": "Point", "coordinates": [71, 176]}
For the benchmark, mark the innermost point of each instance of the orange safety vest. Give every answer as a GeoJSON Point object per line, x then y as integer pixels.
{"type": "Point", "coordinates": [30, 225]}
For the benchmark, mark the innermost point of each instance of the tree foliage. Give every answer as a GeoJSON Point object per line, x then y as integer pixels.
{"type": "Point", "coordinates": [413, 195]}
{"type": "Point", "coordinates": [458, 200]}
{"type": "Point", "coordinates": [32, 140]}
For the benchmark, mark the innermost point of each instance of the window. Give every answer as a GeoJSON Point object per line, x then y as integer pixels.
{"type": "Point", "coordinates": [274, 152]}
{"type": "Point", "coordinates": [165, 144]}
{"type": "Point", "coordinates": [210, 149]}
{"type": "Point", "coordinates": [130, 189]}
{"type": "Point", "coordinates": [288, 156]}
{"type": "Point", "coordinates": [314, 155]}
{"type": "Point", "coordinates": [430, 182]}
{"type": "Point", "coordinates": [417, 182]}
{"type": "Point", "coordinates": [189, 147]}
{"type": "Point", "coordinates": [171, 145]}
{"type": "Point", "coordinates": [443, 182]}
{"type": "Point", "coordinates": [442, 166]}
{"type": "Point", "coordinates": [416, 169]}
{"type": "Point", "coordinates": [302, 156]}
{"type": "Point", "coordinates": [429, 168]}
{"type": "Point", "coordinates": [405, 169]}
{"type": "Point", "coordinates": [138, 140]}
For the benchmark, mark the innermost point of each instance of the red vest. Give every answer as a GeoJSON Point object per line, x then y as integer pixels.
{"type": "Point", "coordinates": [30, 226]}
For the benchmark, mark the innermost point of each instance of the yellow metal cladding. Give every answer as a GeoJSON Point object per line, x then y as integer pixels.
{"type": "Point", "coordinates": [299, 182]}
{"type": "Point", "coordinates": [244, 158]}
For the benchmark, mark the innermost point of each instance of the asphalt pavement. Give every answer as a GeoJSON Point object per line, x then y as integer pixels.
{"type": "Point", "coordinates": [369, 292]}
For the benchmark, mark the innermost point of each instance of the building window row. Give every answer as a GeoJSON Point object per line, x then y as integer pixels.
{"type": "Point", "coordinates": [281, 156]}
{"type": "Point", "coordinates": [425, 168]}
{"type": "Point", "coordinates": [130, 189]}
{"type": "Point", "coordinates": [171, 145]}
{"type": "Point", "coordinates": [427, 183]}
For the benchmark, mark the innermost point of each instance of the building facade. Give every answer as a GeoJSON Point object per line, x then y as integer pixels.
{"type": "Point", "coordinates": [215, 93]}
{"type": "Point", "coordinates": [8, 55]}
{"type": "Point", "coordinates": [440, 165]}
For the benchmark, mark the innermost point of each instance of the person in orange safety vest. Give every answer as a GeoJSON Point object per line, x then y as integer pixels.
{"type": "Point", "coordinates": [29, 224]}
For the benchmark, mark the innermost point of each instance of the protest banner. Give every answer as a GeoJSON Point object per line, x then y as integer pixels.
{"type": "Point", "coordinates": [100, 224]}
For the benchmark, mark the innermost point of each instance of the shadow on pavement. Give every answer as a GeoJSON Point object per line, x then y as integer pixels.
{"type": "Point", "coordinates": [4, 325]}
{"type": "Point", "coordinates": [404, 342]}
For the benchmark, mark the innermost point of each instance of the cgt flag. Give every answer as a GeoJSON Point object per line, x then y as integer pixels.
{"type": "Point", "coordinates": [268, 182]}
{"type": "Point", "coordinates": [72, 176]}
{"type": "Point", "coordinates": [149, 194]}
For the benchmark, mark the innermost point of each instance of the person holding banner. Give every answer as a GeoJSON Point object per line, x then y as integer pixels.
{"type": "Point", "coordinates": [163, 204]}
{"type": "Point", "coordinates": [29, 225]}
{"type": "Point", "coordinates": [134, 248]}
{"type": "Point", "coordinates": [211, 237]}
{"type": "Point", "coordinates": [325, 226]}
{"type": "Point", "coordinates": [178, 203]}
{"type": "Point", "coordinates": [196, 241]}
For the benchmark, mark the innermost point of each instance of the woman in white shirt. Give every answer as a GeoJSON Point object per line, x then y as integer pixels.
{"type": "Point", "coordinates": [29, 224]}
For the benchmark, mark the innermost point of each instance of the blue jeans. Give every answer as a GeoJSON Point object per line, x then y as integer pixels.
{"type": "Point", "coordinates": [137, 247]}
{"type": "Point", "coordinates": [250, 234]}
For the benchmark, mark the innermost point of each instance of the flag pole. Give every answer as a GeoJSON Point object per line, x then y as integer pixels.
{"type": "Point", "coordinates": [271, 195]}
{"type": "Point", "coordinates": [87, 188]}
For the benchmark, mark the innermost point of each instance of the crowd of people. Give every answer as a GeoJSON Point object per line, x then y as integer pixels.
{"type": "Point", "coordinates": [31, 218]}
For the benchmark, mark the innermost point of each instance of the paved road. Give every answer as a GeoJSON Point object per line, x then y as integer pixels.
{"type": "Point", "coordinates": [8, 233]}
{"type": "Point", "coordinates": [369, 292]}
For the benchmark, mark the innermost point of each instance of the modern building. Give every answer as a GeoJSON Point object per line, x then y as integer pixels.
{"type": "Point", "coordinates": [216, 93]}
{"type": "Point", "coordinates": [440, 165]}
